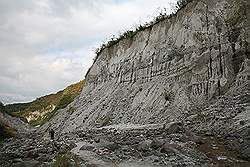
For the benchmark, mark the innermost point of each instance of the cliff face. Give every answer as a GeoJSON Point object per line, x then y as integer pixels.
{"type": "Point", "coordinates": [168, 71]}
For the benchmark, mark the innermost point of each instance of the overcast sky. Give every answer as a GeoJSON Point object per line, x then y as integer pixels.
{"type": "Point", "coordinates": [46, 45]}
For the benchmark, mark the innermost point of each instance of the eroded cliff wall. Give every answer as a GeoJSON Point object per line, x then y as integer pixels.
{"type": "Point", "coordinates": [166, 71]}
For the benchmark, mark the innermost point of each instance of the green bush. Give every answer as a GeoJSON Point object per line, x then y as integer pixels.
{"type": "Point", "coordinates": [65, 160]}
{"type": "Point", "coordinates": [18, 107]}
{"type": "Point", "coordinates": [61, 161]}
{"type": "Point", "coordinates": [65, 101]}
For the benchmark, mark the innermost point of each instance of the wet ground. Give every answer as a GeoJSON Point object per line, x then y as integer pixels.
{"type": "Point", "coordinates": [151, 146]}
{"type": "Point", "coordinates": [221, 156]}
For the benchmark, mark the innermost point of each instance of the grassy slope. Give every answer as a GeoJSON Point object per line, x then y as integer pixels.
{"type": "Point", "coordinates": [67, 97]}
{"type": "Point", "coordinates": [42, 104]}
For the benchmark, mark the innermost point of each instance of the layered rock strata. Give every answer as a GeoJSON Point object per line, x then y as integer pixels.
{"type": "Point", "coordinates": [166, 71]}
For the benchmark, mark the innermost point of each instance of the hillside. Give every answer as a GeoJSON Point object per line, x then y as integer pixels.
{"type": "Point", "coordinates": [43, 108]}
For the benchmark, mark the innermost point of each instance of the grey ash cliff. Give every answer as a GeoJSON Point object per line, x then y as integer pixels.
{"type": "Point", "coordinates": [167, 71]}
{"type": "Point", "coordinates": [173, 94]}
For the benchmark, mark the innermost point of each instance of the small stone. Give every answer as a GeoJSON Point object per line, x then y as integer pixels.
{"type": "Point", "coordinates": [97, 140]}
{"type": "Point", "coordinates": [198, 140]}
{"type": "Point", "coordinates": [168, 149]}
{"type": "Point", "coordinates": [144, 145]}
{"type": "Point", "coordinates": [82, 135]}
{"type": "Point", "coordinates": [208, 134]}
{"type": "Point", "coordinates": [242, 122]}
{"type": "Point", "coordinates": [91, 165]}
{"type": "Point", "coordinates": [72, 145]}
{"type": "Point", "coordinates": [17, 160]}
{"type": "Point", "coordinates": [173, 127]}
{"type": "Point", "coordinates": [241, 141]}
{"type": "Point", "coordinates": [155, 144]}
{"type": "Point", "coordinates": [221, 158]}
{"type": "Point", "coordinates": [87, 147]}
{"type": "Point", "coordinates": [112, 146]}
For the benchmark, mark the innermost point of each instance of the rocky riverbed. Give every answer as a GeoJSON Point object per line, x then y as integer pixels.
{"type": "Point", "coordinates": [122, 146]}
{"type": "Point", "coordinates": [174, 94]}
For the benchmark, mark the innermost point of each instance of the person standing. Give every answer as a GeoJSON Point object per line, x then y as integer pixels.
{"type": "Point", "coordinates": [52, 134]}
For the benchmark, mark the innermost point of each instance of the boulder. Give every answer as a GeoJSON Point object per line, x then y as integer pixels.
{"type": "Point", "coordinates": [156, 143]}
{"type": "Point", "coordinates": [87, 147]}
{"type": "Point", "coordinates": [173, 127]}
{"type": "Point", "coordinates": [169, 149]}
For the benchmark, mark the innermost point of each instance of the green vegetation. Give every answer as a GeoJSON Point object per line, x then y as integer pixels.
{"type": "Point", "coordinates": [43, 102]}
{"type": "Point", "coordinates": [15, 110]}
{"type": "Point", "coordinates": [17, 107]}
{"type": "Point", "coordinates": [69, 94]}
{"type": "Point", "coordinates": [65, 101]}
{"type": "Point", "coordinates": [43, 108]}
{"type": "Point", "coordinates": [131, 33]}
{"type": "Point", "coordinates": [66, 160]}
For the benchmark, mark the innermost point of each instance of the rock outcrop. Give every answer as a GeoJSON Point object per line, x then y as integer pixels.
{"type": "Point", "coordinates": [167, 71]}
{"type": "Point", "coordinates": [191, 69]}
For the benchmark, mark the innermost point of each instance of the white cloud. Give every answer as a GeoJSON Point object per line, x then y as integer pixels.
{"type": "Point", "coordinates": [47, 44]}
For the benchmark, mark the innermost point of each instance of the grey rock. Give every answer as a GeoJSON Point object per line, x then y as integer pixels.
{"type": "Point", "coordinates": [17, 160]}
{"type": "Point", "coordinates": [156, 143]}
{"type": "Point", "coordinates": [169, 149]}
{"type": "Point", "coordinates": [32, 163]}
{"type": "Point", "coordinates": [72, 145]}
{"type": "Point", "coordinates": [145, 145]}
{"type": "Point", "coordinates": [87, 147]}
{"type": "Point", "coordinates": [173, 127]}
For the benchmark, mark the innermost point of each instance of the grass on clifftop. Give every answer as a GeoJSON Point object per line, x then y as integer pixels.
{"type": "Point", "coordinates": [131, 33]}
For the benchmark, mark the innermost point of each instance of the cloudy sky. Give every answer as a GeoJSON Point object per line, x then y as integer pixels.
{"type": "Point", "coordinates": [46, 45]}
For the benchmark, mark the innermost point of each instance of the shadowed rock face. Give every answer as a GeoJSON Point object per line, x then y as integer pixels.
{"type": "Point", "coordinates": [9, 125]}
{"type": "Point", "coordinates": [166, 72]}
